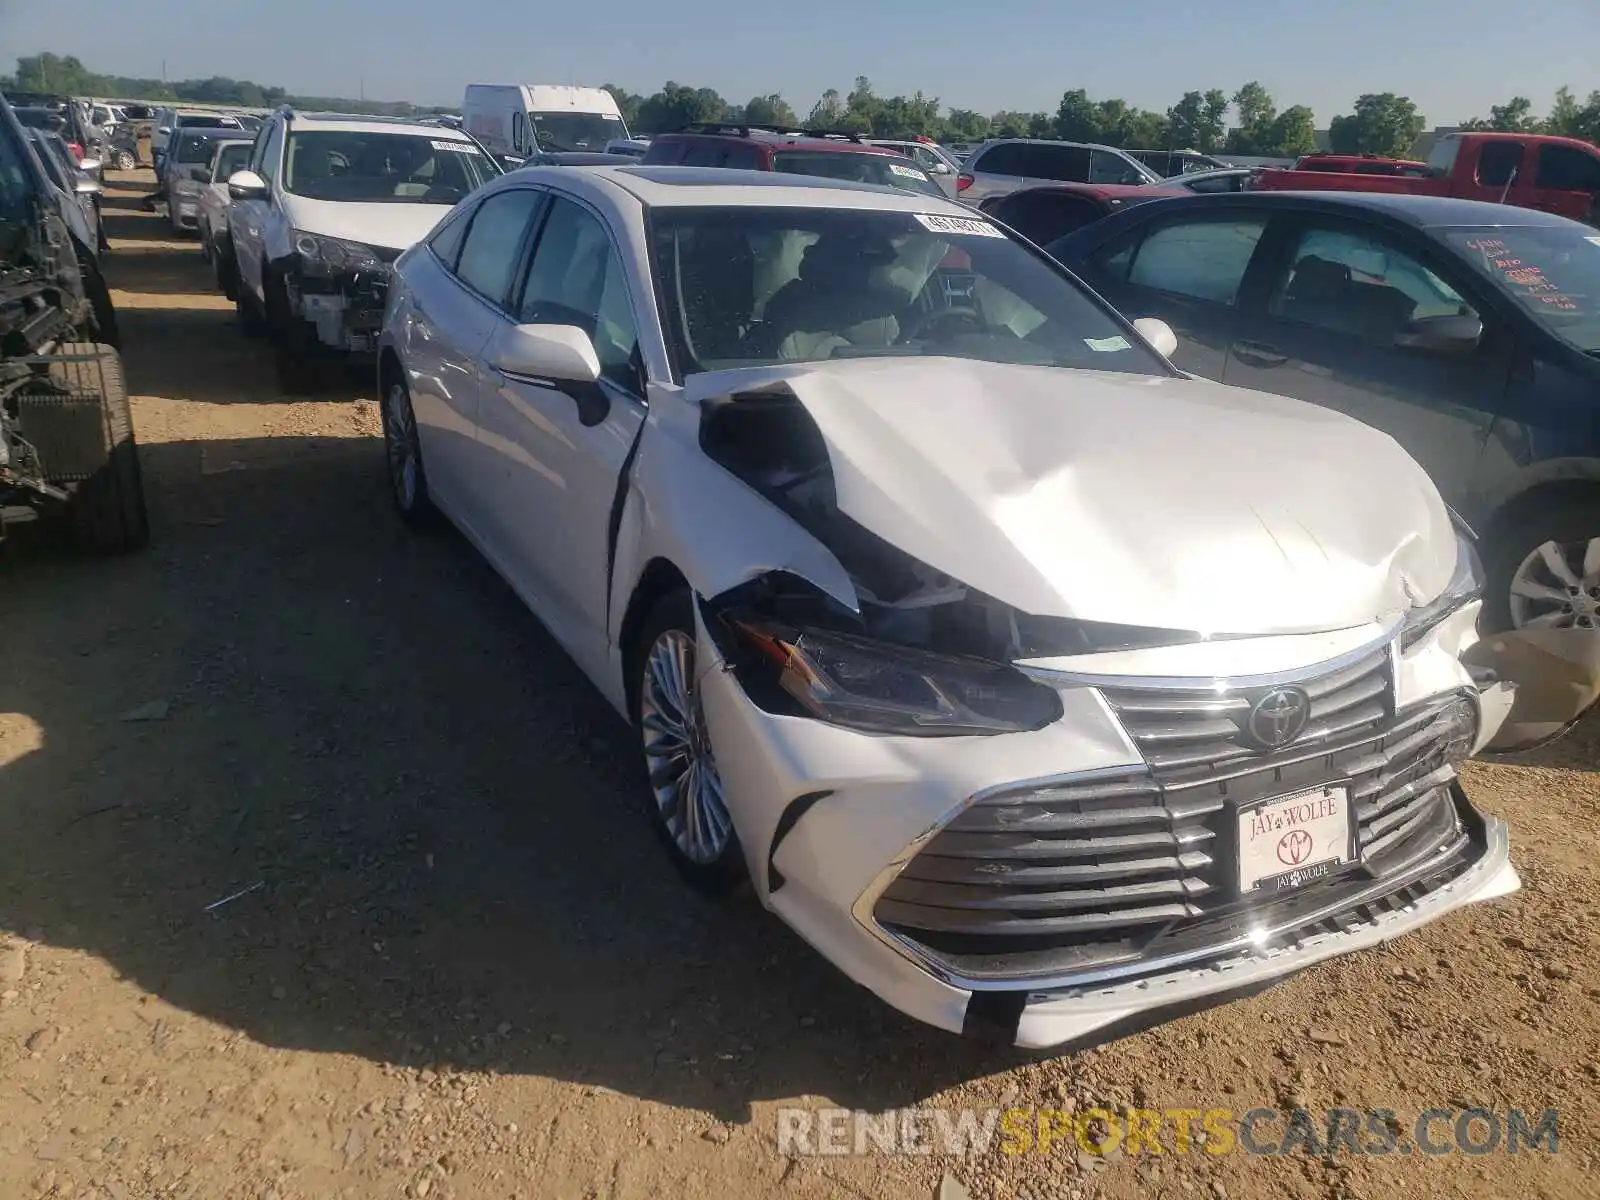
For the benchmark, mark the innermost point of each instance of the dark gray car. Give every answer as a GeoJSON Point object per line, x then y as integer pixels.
{"type": "Point", "coordinates": [1468, 332]}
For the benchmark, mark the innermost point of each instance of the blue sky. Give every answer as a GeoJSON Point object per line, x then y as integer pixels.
{"type": "Point", "coordinates": [1453, 57]}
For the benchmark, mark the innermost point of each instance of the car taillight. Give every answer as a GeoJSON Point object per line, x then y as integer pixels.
{"type": "Point", "coordinates": [963, 182]}
{"type": "Point", "coordinates": [77, 150]}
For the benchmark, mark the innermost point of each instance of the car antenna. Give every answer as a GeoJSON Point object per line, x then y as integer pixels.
{"type": "Point", "coordinates": [1510, 179]}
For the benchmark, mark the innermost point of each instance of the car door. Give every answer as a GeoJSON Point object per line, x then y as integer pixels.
{"type": "Point", "coordinates": [1188, 270]}
{"type": "Point", "coordinates": [459, 294]}
{"type": "Point", "coordinates": [555, 476]}
{"type": "Point", "coordinates": [248, 219]}
{"type": "Point", "coordinates": [1324, 325]}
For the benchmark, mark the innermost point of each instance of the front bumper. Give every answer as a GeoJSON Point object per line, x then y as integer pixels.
{"type": "Point", "coordinates": [830, 818]}
{"type": "Point", "coordinates": [346, 310]}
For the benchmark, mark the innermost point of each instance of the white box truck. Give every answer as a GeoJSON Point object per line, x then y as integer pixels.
{"type": "Point", "coordinates": [520, 119]}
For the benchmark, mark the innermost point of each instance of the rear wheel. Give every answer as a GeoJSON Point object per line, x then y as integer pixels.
{"type": "Point", "coordinates": [106, 511]}
{"type": "Point", "coordinates": [124, 160]}
{"type": "Point", "coordinates": [686, 795]}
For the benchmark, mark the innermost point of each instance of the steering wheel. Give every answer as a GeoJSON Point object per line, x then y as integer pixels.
{"type": "Point", "coordinates": [940, 324]}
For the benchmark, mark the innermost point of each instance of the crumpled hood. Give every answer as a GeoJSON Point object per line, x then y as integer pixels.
{"type": "Point", "coordinates": [397, 225]}
{"type": "Point", "coordinates": [1172, 503]}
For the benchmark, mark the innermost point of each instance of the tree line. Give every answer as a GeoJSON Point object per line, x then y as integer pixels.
{"type": "Point", "coordinates": [1247, 122]}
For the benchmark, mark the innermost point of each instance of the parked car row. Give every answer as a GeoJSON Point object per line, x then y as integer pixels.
{"type": "Point", "coordinates": [1042, 677]}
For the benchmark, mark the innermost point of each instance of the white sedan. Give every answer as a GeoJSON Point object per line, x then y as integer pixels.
{"type": "Point", "coordinates": [1040, 687]}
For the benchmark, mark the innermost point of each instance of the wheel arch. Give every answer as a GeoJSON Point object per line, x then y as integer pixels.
{"type": "Point", "coordinates": [1566, 481]}
{"type": "Point", "coordinates": [659, 579]}
{"type": "Point", "coordinates": [390, 371]}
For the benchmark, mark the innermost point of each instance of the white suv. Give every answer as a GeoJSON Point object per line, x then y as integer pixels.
{"type": "Point", "coordinates": [328, 202]}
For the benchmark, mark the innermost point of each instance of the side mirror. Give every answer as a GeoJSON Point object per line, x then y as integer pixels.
{"type": "Point", "coordinates": [1159, 334]}
{"type": "Point", "coordinates": [1452, 334]}
{"type": "Point", "coordinates": [560, 357]}
{"type": "Point", "coordinates": [939, 168]}
{"type": "Point", "coordinates": [247, 185]}
{"type": "Point", "coordinates": [164, 130]}
{"type": "Point", "coordinates": [90, 165]}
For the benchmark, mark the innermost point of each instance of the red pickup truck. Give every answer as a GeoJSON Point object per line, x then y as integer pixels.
{"type": "Point", "coordinates": [1556, 174]}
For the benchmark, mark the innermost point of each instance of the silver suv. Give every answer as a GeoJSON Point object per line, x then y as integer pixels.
{"type": "Point", "coordinates": [1006, 164]}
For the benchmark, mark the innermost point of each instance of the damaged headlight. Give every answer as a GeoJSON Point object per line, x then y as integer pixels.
{"type": "Point", "coordinates": [334, 256]}
{"type": "Point", "coordinates": [1465, 586]}
{"type": "Point", "coordinates": [868, 685]}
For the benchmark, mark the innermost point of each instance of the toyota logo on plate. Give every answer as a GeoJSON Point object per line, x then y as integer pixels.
{"type": "Point", "coordinates": [1278, 717]}
{"type": "Point", "coordinates": [1294, 847]}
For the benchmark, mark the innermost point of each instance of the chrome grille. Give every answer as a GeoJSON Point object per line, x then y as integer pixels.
{"type": "Point", "coordinates": [1104, 870]}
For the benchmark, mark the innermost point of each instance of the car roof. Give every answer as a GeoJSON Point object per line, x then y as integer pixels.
{"type": "Point", "coordinates": [710, 187]}
{"type": "Point", "coordinates": [767, 138]}
{"type": "Point", "coordinates": [1424, 212]}
{"type": "Point", "coordinates": [1023, 141]}
{"type": "Point", "coordinates": [342, 123]}
{"type": "Point", "coordinates": [1103, 191]}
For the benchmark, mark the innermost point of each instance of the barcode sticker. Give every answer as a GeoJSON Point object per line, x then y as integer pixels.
{"type": "Point", "coordinates": [457, 147]}
{"type": "Point", "coordinates": [908, 172]}
{"type": "Point", "coordinates": [966, 225]}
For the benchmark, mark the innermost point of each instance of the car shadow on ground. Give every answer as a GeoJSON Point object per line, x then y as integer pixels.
{"type": "Point", "coordinates": [189, 351]}
{"type": "Point", "coordinates": [438, 815]}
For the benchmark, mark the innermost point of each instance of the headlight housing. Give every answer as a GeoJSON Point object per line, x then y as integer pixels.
{"type": "Point", "coordinates": [321, 255]}
{"type": "Point", "coordinates": [1465, 586]}
{"type": "Point", "coordinates": [876, 687]}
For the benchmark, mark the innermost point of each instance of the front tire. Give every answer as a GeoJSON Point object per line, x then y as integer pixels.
{"type": "Point", "coordinates": [293, 347]}
{"type": "Point", "coordinates": [227, 270]}
{"type": "Point", "coordinates": [408, 481]}
{"type": "Point", "coordinates": [1543, 569]}
{"type": "Point", "coordinates": [252, 323]}
{"type": "Point", "coordinates": [685, 796]}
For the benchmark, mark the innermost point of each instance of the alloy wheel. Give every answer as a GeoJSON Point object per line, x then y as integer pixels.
{"type": "Point", "coordinates": [1558, 587]}
{"type": "Point", "coordinates": [677, 751]}
{"type": "Point", "coordinates": [400, 441]}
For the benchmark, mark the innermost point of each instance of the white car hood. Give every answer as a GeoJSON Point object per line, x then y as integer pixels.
{"type": "Point", "coordinates": [1160, 502]}
{"type": "Point", "coordinates": [397, 225]}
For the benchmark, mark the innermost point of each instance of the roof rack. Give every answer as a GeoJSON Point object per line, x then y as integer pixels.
{"type": "Point", "coordinates": [745, 128]}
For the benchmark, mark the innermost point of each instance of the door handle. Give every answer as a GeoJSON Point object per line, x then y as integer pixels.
{"type": "Point", "coordinates": [1259, 354]}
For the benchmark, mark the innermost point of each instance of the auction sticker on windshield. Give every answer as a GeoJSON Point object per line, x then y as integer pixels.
{"type": "Point", "coordinates": [458, 147]}
{"type": "Point", "coordinates": [907, 172]}
{"type": "Point", "coordinates": [967, 225]}
{"type": "Point", "coordinates": [1289, 841]}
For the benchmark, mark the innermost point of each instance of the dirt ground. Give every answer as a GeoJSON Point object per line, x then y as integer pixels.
{"type": "Point", "coordinates": [466, 970]}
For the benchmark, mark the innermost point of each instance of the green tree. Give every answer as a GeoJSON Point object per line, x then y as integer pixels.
{"type": "Point", "coordinates": [1382, 123]}
{"type": "Point", "coordinates": [1196, 121]}
{"type": "Point", "coordinates": [1077, 117]}
{"type": "Point", "coordinates": [965, 125]}
{"type": "Point", "coordinates": [1293, 133]}
{"type": "Point", "coordinates": [770, 110]}
{"type": "Point", "coordinates": [677, 105]}
{"type": "Point", "coordinates": [828, 112]}
{"type": "Point", "coordinates": [1257, 113]}
{"type": "Point", "coordinates": [627, 103]}
{"type": "Point", "coordinates": [1514, 116]}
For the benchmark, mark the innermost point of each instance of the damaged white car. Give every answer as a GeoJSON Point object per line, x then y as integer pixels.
{"type": "Point", "coordinates": [1045, 690]}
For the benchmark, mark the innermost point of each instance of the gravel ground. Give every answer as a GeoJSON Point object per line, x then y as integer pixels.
{"type": "Point", "coordinates": [466, 970]}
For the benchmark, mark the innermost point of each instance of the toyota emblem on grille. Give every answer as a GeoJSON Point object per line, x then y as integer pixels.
{"type": "Point", "coordinates": [1279, 717]}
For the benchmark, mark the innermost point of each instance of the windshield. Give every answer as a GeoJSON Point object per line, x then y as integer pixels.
{"type": "Point", "coordinates": [887, 170]}
{"type": "Point", "coordinates": [232, 159]}
{"type": "Point", "coordinates": [1553, 273]}
{"type": "Point", "coordinates": [399, 168]}
{"type": "Point", "coordinates": [576, 130]}
{"type": "Point", "coordinates": [760, 286]}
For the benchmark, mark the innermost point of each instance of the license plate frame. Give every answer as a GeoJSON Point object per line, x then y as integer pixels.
{"type": "Point", "coordinates": [1286, 842]}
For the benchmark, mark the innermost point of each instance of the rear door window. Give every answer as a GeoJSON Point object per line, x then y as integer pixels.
{"type": "Point", "coordinates": [1042, 217]}
{"type": "Point", "coordinates": [1204, 260]}
{"type": "Point", "coordinates": [1567, 169]}
{"type": "Point", "coordinates": [1105, 167]}
{"type": "Point", "coordinates": [706, 154]}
